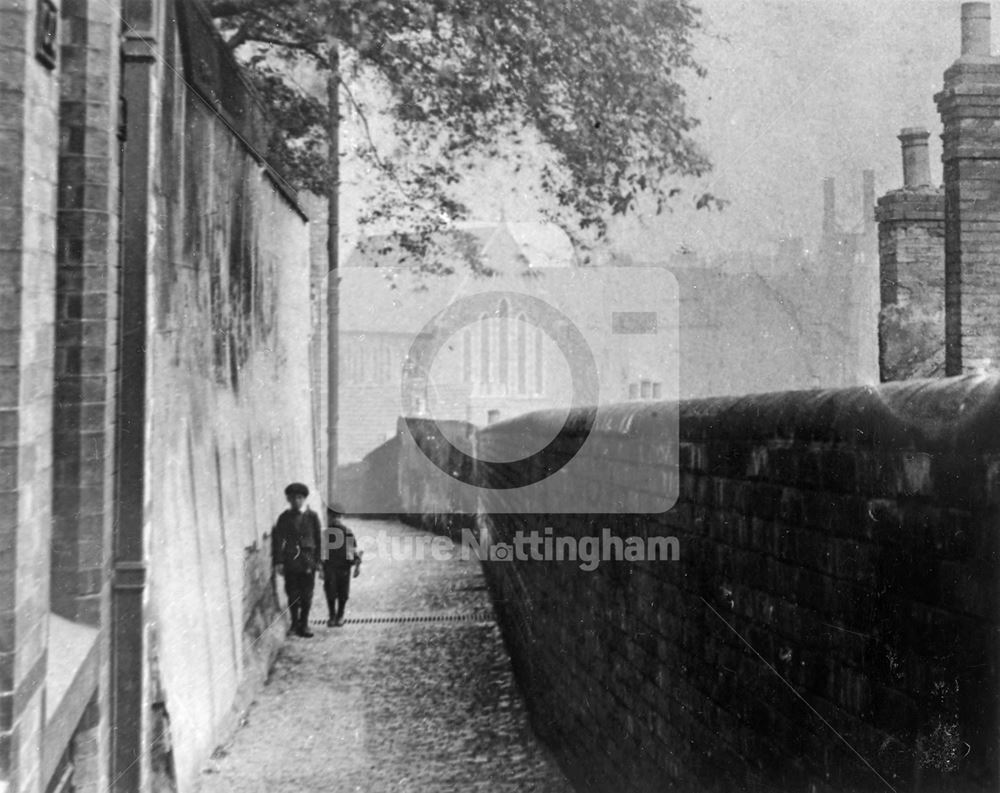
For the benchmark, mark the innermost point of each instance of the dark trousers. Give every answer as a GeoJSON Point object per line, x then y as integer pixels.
{"type": "Point", "coordinates": [337, 587]}
{"type": "Point", "coordinates": [299, 588]}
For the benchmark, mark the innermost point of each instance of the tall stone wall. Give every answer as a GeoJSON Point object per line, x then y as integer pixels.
{"type": "Point", "coordinates": [828, 624]}
{"type": "Point", "coordinates": [229, 406]}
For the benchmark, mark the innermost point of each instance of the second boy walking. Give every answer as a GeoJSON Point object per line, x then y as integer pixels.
{"type": "Point", "coordinates": [342, 562]}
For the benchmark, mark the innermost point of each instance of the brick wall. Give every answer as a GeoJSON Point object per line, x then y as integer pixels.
{"type": "Point", "coordinates": [969, 106]}
{"type": "Point", "coordinates": [29, 103]}
{"type": "Point", "coordinates": [911, 258]}
{"type": "Point", "coordinates": [86, 306]}
{"type": "Point", "coordinates": [830, 619]}
{"type": "Point", "coordinates": [86, 329]}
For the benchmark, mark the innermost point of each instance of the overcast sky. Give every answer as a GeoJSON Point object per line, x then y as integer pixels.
{"type": "Point", "coordinates": [798, 90]}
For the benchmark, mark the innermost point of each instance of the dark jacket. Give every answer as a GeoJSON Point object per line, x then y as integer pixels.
{"type": "Point", "coordinates": [295, 541]}
{"type": "Point", "coordinates": [346, 554]}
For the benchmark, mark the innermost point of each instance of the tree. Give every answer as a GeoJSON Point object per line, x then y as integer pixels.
{"type": "Point", "coordinates": [597, 82]}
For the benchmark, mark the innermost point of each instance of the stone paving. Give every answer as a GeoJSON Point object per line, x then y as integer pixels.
{"type": "Point", "coordinates": [392, 706]}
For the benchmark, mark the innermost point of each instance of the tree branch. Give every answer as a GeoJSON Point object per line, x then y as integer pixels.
{"type": "Point", "coordinates": [232, 8]}
{"type": "Point", "coordinates": [239, 37]}
{"type": "Point", "coordinates": [364, 123]}
{"type": "Point", "coordinates": [382, 164]}
{"type": "Point", "coordinates": [301, 46]}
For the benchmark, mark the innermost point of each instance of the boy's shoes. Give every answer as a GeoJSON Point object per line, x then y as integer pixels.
{"type": "Point", "coordinates": [305, 633]}
{"type": "Point", "coordinates": [339, 622]}
{"type": "Point", "coordinates": [331, 622]}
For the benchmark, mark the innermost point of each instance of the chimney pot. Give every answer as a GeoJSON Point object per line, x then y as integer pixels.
{"type": "Point", "coordinates": [916, 160]}
{"type": "Point", "coordinates": [976, 30]}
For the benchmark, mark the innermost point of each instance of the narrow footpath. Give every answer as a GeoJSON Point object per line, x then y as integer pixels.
{"type": "Point", "coordinates": [414, 693]}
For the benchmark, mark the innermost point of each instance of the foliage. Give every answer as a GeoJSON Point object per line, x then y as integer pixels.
{"type": "Point", "coordinates": [596, 82]}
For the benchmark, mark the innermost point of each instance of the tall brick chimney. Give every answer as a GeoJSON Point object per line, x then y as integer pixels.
{"type": "Point", "coordinates": [916, 158]}
{"type": "Point", "coordinates": [970, 111]}
{"type": "Point", "coordinates": [911, 269]}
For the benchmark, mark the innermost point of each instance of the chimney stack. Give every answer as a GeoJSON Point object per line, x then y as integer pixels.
{"type": "Point", "coordinates": [976, 30]}
{"type": "Point", "coordinates": [916, 160]}
{"type": "Point", "coordinates": [969, 104]}
{"type": "Point", "coordinates": [829, 207]}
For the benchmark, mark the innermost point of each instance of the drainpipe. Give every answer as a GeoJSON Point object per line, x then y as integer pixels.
{"type": "Point", "coordinates": [128, 651]}
{"type": "Point", "coordinates": [333, 273]}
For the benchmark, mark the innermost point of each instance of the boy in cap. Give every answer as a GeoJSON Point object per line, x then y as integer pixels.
{"type": "Point", "coordinates": [295, 546]}
{"type": "Point", "coordinates": [341, 563]}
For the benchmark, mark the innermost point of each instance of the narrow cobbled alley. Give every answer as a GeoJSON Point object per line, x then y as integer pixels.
{"type": "Point", "coordinates": [414, 693]}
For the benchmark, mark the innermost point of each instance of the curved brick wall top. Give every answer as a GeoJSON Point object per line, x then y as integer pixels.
{"type": "Point", "coordinates": [962, 412]}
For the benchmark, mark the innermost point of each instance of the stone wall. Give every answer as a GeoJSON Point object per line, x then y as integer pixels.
{"type": "Point", "coordinates": [229, 406]}
{"type": "Point", "coordinates": [828, 624]}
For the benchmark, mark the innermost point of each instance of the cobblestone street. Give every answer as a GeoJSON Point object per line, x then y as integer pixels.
{"type": "Point", "coordinates": [414, 693]}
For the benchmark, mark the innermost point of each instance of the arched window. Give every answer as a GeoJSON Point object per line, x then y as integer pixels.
{"type": "Point", "coordinates": [539, 359]}
{"type": "Point", "coordinates": [503, 346]}
{"type": "Point", "coordinates": [467, 356]}
{"type": "Point", "coordinates": [522, 354]}
{"type": "Point", "coordinates": [484, 352]}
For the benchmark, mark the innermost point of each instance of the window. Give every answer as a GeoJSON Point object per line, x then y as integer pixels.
{"type": "Point", "coordinates": [522, 354]}
{"type": "Point", "coordinates": [503, 345]}
{"type": "Point", "coordinates": [385, 363]}
{"type": "Point", "coordinates": [645, 389]}
{"type": "Point", "coordinates": [484, 352]}
{"type": "Point", "coordinates": [539, 359]}
{"type": "Point", "coordinates": [467, 356]}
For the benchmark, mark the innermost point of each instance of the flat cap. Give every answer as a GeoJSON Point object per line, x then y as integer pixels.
{"type": "Point", "coordinates": [296, 489]}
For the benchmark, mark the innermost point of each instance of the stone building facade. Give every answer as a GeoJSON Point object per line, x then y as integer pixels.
{"type": "Point", "coordinates": [153, 275]}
